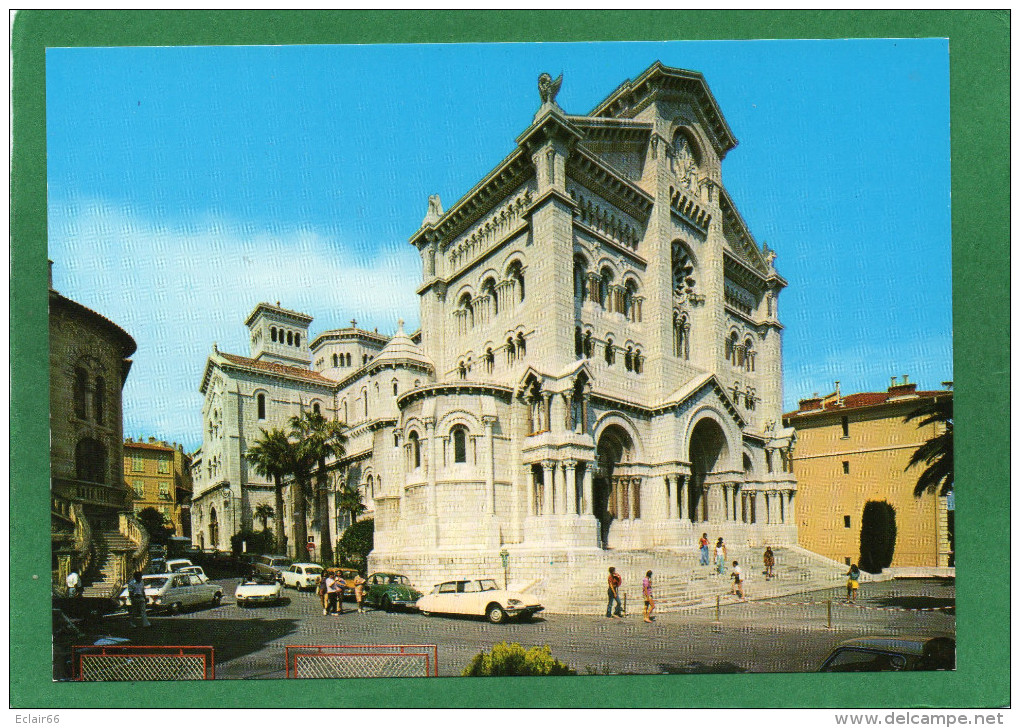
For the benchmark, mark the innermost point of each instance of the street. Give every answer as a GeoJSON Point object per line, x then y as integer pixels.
{"type": "Point", "coordinates": [788, 634]}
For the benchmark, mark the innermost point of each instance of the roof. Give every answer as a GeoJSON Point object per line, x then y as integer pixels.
{"type": "Point", "coordinates": [303, 317]}
{"type": "Point", "coordinates": [125, 339]}
{"type": "Point", "coordinates": [272, 367]}
{"type": "Point", "coordinates": [400, 349]}
{"type": "Point", "coordinates": [148, 446]}
{"type": "Point", "coordinates": [830, 403]}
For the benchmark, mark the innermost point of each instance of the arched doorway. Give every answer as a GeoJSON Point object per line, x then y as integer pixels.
{"type": "Point", "coordinates": [615, 446]}
{"type": "Point", "coordinates": [708, 449]}
{"type": "Point", "coordinates": [214, 529]}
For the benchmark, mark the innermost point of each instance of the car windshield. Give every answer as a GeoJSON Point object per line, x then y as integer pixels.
{"type": "Point", "coordinates": [488, 585]}
{"type": "Point", "coordinates": [449, 587]}
{"type": "Point", "coordinates": [280, 562]}
{"type": "Point", "coordinates": [313, 570]}
{"type": "Point", "coordinates": [397, 579]}
{"type": "Point", "coordinates": [857, 660]}
{"type": "Point", "coordinates": [468, 587]}
{"type": "Point", "coordinates": [156, 583]}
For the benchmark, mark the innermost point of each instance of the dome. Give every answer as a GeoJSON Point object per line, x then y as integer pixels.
{"type": "Point", "coordinates": [401, 349]}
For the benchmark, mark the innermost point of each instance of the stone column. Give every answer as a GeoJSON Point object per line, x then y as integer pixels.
{"type": "Point", "coordinates": [791, 512]}
{"type": "Point", "coordinates": [588, 507]}
{"type": "Point", "coordinates": [532, 491]}
{"type": "Point", "coordinates": [624, 499]}
{"type": "Point", "coordinates": [759, 506]}
{"type": "Point", "coordinates": [614, 486]}
{"type": "Point", "coordinates": [635, 487]}
{"type": "Point", "coordinates": [490, 481]}
{"type": "Point", "coordinates": [430, 464]}
{"type": "Point", "coordinates": [671, 484]}
{"type": "Point", "coordinates": [584, 410]}
{"type": "Point", "coordinates": [683, 504]}
{"type": "Point", "coordinates": [547, 424]}
{"type": "Point", "coordinates": [549, 468]}
{"type": "Point", "coordinates": [707, 494]}
{"type": "Point", "coordinates": [725, 501]}
{"type": "Point", "coordinates": [570, 502]}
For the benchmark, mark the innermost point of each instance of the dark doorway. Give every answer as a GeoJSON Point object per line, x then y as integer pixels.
{"type": "Point", "coordinates": [614, 447]}
{"type": "Point", "coordinates": [707, 449]}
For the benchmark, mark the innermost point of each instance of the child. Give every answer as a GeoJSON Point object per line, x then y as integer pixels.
{"type": "Point", "coordinates": [738, 582]}
{"type": "Point", "coordinates": [853, 583]}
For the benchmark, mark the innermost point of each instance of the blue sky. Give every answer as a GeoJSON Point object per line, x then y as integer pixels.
{"type": "Point", "coordinates": [187, 184]}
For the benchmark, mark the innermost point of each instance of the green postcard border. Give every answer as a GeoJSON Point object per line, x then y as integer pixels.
{"type": "Point", "coordinates": [979, 80]}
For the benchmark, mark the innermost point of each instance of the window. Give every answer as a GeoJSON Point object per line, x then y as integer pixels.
{"type": "Point", "coordinates": [521, 348]}
{"type": "Point", "coordinates": [610, 352]}
{"type": "Point", "coordinates": [261, 400]}
{"type": "Point", "coordinates": [459, 445]}
{"type": "Point", "coordinates": [490, 361]}
{"type": "Point", "coordinates": [462, 370]}
{"type": "Point", "coordinates": [578, 342]}
{"type": "Point", "coordinates": [290, 338]}
{"type": "Point", "coordinates": [81, 388]}
{"type": "Point", "coordinates": [845, 421]}
{"type": "Point", "coordinates": [605, 281]}
{"type": "Point", "coordinates": [137, 463]}
{"type": "Point", "coordinates": [588, 347]}
{"type": "Point", "coordinates": [846, 467]}
{"type": "Point", "coordinates": [396, 439]}
{"type": "Point", "coordinates": [516, 274]}
{"type": "Point", "coordinates": [272, 333]}
{"type": "Point", "coordinates": [580, 277]}
{"type": "Point", "coordinates": [336, 361]}
{"type": "Point", "coordinates": [364, 396]}
{"type": "Point", "coordinates": [768, 460]}
{"type": "Point", "coordinates": [316, 409]}
{"type": "Point", "coordinates": [489, 289]}
{"type": "Point", "coordinates": [628, 359]}
{"type": "Point", "coordinates": [90, 461]}
{"type": "Point", "coordinates": [164, 491]}
{"type": "Point", "coordinates": [297, 339]}
{"type": "Point", "coordinates": [139, 488]}
{"type": "Point", "coordinates": [638, 362]}
{"type": "Point", "coordinates": [163, 465]}
{"type": "Point", "coordinates": [415, 449]}
{"type": "Point", "coordinates": [99, 400]}
{"type": "Point", "coordinates": [846, 524]}
{"type": "Point", "coordinates": [364, 359]}
{"type": "Point", "coordinates": [395, 388]}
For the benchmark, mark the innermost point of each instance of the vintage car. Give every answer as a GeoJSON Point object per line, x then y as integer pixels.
{"type": "Point", "coordinates": [302, 576]}
{"type": "Point", "coordinates": [881, 654]}
{"type": "Point", "coordinates": [274, 566]}
{"type": "Point", "coordinates": [177, 564]}
{"type": "Point", "coordinates": [481, 597]}
{"type": "Point", "coordinates": [196, 570]}
{"type": "Point", "coordinates": [174, 592]}
{"type": "Point", "coordinates": [386, 591]}
{"type": "Point", "coordinates": [258, 590]}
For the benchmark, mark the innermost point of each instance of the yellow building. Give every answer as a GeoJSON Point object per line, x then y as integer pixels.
{"type": "Point", "coordinates": [159, 476]}
{"type": "Point", "coordinates": [852, 449]}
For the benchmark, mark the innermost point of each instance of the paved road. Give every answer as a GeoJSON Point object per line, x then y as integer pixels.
{"type": "Point", "coordinates": [787, 634]}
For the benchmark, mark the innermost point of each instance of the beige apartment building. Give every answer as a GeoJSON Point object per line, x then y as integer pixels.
{"type": "Point", "coordinates": [854, 448]}
{"type": "Point", "coordinates": [158, 474]}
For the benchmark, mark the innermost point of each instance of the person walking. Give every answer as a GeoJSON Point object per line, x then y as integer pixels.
{"type": "Point", "coordinates": [323, 593]}
{"type": "Point", "coordinates": [720, 556]}
{"type": "Point", "coordinates": [853, 583]}
{"type": "Point", "coordinates": [646, 591]}
{"type": "Point", "coordinates": [359, 592]}
{"type": "Point", "coordinates": [337, 598]}
{"type": "Point", "coordinates": [738, 582]}
{"type": "Point", "coordinates": [614, 582]}
{"type": "Point", "coordinates": [73, 584]}
{"type": "Point", "coordinates": [770, 561]}
{"type": "Point", "coordinates": [136, 593]}
{"type": "Point", "coordinates": [703, 547]}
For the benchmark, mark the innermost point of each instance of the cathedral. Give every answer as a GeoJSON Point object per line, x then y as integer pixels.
{"type": "Point", "coordinates": [599, 363]}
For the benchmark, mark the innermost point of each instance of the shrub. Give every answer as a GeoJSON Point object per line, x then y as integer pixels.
{"type": "Point", "coordinates": [878, 536]}
{"type": "Point", "coordinates": [356, 543]}
{"type": "Point", "coordinates": [510, 659]}
{"type": "Point", "coordinates": [259, 542]}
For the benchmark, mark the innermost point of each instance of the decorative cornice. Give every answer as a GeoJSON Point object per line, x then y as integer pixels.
{"type": "Point", "coordinates": [689, 209]}
{"type": "Point", "coordinates": [733, 220]}
{"type": "Point", "coordinates": [591, 172]}
{"type": "Point", "coordinates": [434, 390]}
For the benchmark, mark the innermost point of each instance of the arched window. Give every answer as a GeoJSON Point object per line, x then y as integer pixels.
{"type": "Point", "coordinates": [588, 346]}
{"type": "Point", "coordinates": [261, 403]}
{"type": "Point", "coordinates": [464, 304]}
{"type": "Point", "coordinates": [521, 346]}
{"type": "Point", "coordinates": [580, 277]}
{"type": "Point", "coordinates": [297, 339]}
{"type": "Point", "coordinates": [336, 361]}
{"type": "Point", "coordinates": [348, 359]}
{"type": "Point", "coordinates": [629, 304]}
{"type": "Point", "coordinates": [516, 273]}
{"type": "Point", "coordinates": [462, 370]}
{"type": "Point", "coordinates": [489, 289]}
{"type": "Point", "coordinates": [90, 461]}
{"type": "Point", "coordinates": [364, 399]}
{"type": "Point", "coordinates": [343, 408]}
{"type": "Point", "coordinates": [415, 448]}
{"type": "Point", "coordinates": [396, 439]}
{"type": "Point", "coordinates": [364, 359]}
{"type": "Point", "coordinates": [628, 359]}
{"type": "Point", "coordinates": [578, 342]}
{"type": "Point", "coordinates": [315, 408]}
{"type": "Point", "coordinates": [605, 281]}
{"type": "Point", "coordinates": [748, 355]}
{"type": "Point", "coordinates": [511, 353]}
{"type": "Point", "coordinates": [81, 390]}
{"type": "Point", "coordinates": [681, 335]}
{"type": "Point", "coordinates": [395, 388]}
{"type": "Point", "coordinates": [490, 361]}
{"type": "Point", "coordinates": [290, 338]}
{"type": "Point", "coordinates": [459, 434]}
{"type": "Point", "coordinates": [272, 334]}
{"type": "Point", "coordinates": [610, 351]}
{"type": "Point", "coordinates": [638, 361]}
{"type": "Point", "coordinates": [99, 400]}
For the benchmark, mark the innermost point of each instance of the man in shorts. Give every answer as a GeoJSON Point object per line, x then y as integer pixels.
{"type": "Point", "coordinates": [738, 581]}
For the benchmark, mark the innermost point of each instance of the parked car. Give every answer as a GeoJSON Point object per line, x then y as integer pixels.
{"type": "Point", "coordinates": [302, 576]}
{"type": "Point", "coordinates": [260, 589]}
{"type": "Point", "coordinates": [177, 564]}
{"type": "Point", "coordinates": [271, 566]}
{"type": "Point", "coordinates": [197, 570]}
{"type": "Point", "coordinates": [156, 566]}
{"type": "Point", "coordinates": [387, 591]}
{"type": "Point", "coordinates": [880, 654]}
{"type": "Point", "coordinates": [174, 592]}
{"type": "Point", "coordinates": [349, 575]}
{"type": "Point", "coordinates": [481, 597]}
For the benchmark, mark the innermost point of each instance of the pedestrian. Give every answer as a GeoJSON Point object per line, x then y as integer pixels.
{"type": "Point", "coordinates": [770, 561]}
{"type": "Point", "coordinates": [614, 582]}
{"type": "Point", "coordinates": [359, 592]}
{"type": "Point", "coordinates": [738, 582]}
{"type": "Point", "coordinates": [336, 596]}
{"type": "Point", "coordinates": [321, 591]}
{"type": "Point", "coordinates": [853, 583]}
{"type": "Point", "coordinates": [136, 593]}
{"type": "Point", "coordinates": [646, 591]}
{"type": "Point", "coordinates": [73, 584]}
{"type": "Point", "coordinates": [720, 556]}
{"type": "Point", "coordinates": [703, 547]}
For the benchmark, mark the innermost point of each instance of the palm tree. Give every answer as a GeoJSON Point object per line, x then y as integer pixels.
{"type": "Point", "coordinates": [264, 512]}
{"type": "Point", "coordinates": [320, 440]}
{"type": "Point", "coordinates": [349, 501]}
{"type": "Point", "coordinates": [936, 453]}
{"type": "Point", "coordinates": [272, 457]}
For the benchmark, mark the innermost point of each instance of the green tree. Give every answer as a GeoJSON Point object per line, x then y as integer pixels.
{"type": "Point", "coordinates": [878, 536]}
{"type": "Point", "coordinates": [348, 500]}
{"type": "Point", "coordinates": [510, 659]}
{"type": "Point", "coordinates": [258, 542]}
{"type": "Point", "coordinates": [264, 512]}
{"type": "Point", "coordinates": [321, 446]}
{"type": "Point", "coordinates": [936, 453]}
{"type": "Point", "coordinates": [156, 524]}
{"type": "Point", "coordinates": [356, 544]}
{"type": "Point", "coordinates": [272, 456]}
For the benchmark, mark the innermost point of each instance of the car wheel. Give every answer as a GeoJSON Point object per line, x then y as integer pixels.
{"type": "Point", "coordinates": [424, 613]}
{"type": "Point", "coordinates": [495, 614]}
{"type": "Point", "coordinates": [387, 605]}
{"type": "Point", "coordinates": [175, 608]}
{"type": "Point", "coordinates": [217, 598]}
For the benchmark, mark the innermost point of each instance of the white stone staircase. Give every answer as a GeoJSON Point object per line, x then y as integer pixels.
{"type": "Point", "coordinates": [107, 581]}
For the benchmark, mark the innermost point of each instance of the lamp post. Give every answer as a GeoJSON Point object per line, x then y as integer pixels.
{"type": "Point", "coordinates": [504, 556]}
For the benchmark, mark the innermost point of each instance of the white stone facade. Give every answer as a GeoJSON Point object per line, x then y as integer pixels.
{"type": "Point", "coordinates": [599, 363]}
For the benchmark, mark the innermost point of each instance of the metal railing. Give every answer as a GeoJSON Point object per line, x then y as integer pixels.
{"type": "Point", "coordinates": [142, 662]}
{"type": "Point", "coordinates": [335, 661]}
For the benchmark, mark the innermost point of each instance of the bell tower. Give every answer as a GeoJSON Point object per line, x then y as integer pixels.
{"type": "Point", "coordinates": [279, 335]}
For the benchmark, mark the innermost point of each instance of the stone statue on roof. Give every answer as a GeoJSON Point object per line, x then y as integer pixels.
{"type": "Point", "coordinates": [548, 88]}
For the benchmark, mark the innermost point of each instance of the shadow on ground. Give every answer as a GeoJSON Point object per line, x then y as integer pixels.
{"type": "Point", "coordinates": [916, 602]}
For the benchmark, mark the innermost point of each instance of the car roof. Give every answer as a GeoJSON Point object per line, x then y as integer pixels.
{"type": "Point", "coordinates": [305, 563]}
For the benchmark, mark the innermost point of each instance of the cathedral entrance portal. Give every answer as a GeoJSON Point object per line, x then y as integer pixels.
{"type": "Point", "coordinates": [708, 449]}
{"type": "Point", "coordinates": [614, 448]}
